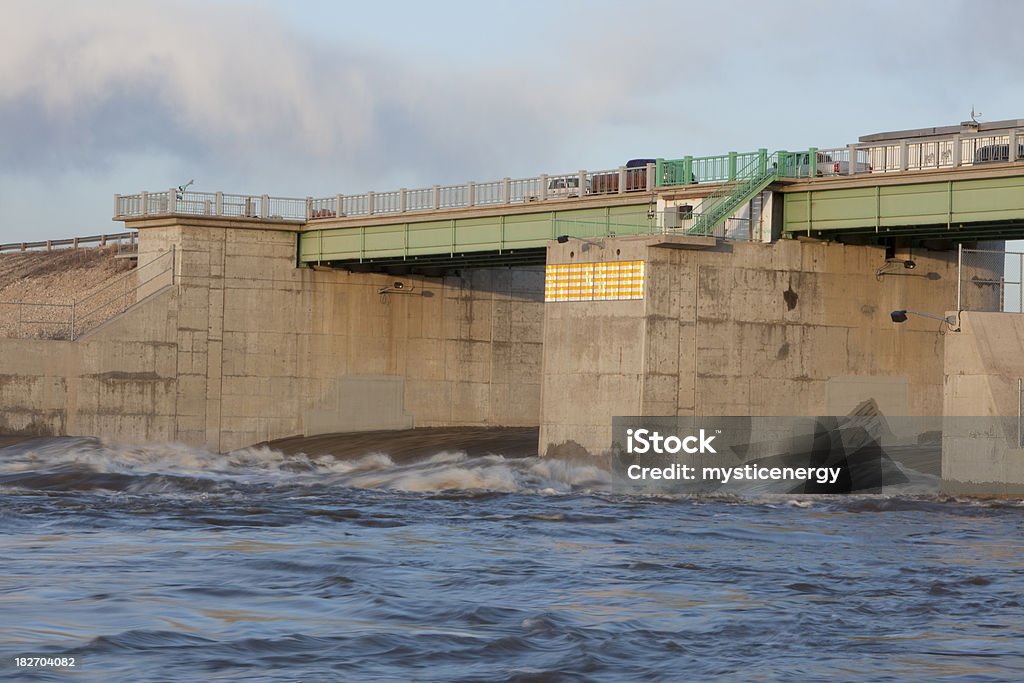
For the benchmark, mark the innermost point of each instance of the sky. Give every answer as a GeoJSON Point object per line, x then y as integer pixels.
{"type": "Point", "coordinates": [317, 98]}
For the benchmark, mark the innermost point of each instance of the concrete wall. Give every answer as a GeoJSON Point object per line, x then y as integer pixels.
{"type": "Point", "coordinates": [981, 432]}
{"type": "Point", "coordinates": [790, 328]}
{"type": "Point", "coordinates": [246, 347]}
{"type": "Point", "coordinates": [119, 381]}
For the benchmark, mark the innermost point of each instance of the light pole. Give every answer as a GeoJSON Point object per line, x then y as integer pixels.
{"type": "Point", "coordinates": [900, 316]}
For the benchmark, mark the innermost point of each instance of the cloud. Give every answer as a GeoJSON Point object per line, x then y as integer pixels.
{"type": "Point", "coordinates": [238, 96]}
{"type": "Point", "coordinates": [227, 89]}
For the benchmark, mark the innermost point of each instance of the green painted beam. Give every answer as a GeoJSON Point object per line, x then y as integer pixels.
{"type": "Point", "coordinates": [940, 206]}
{"type": "Point", "coordinates": [488, 234]}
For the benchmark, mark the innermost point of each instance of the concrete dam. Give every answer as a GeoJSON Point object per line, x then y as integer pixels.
{"type": "Point", "coordinates": [746, 284]}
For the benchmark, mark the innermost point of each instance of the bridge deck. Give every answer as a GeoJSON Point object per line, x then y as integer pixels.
{"type": "Point", "coordinates": [976, 203]}
{"type": "Point", "coordinates": [965, 184]}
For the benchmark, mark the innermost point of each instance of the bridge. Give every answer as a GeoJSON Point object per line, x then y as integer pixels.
{"type": "Point", "coordinates": [959, 183]}
{"type": "Point", "coordinates": [682, 296]}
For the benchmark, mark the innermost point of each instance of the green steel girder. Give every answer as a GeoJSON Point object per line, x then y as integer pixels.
{"type": "Point", "coordinates": [493, 238]}
{"type": "Point", "coordinates": [960, 209]}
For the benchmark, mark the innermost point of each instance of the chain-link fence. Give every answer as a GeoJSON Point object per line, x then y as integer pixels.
{"type": "Point", "coordinates": [69, 321]}
{"type": "Point", "coordinates": [990, 280]}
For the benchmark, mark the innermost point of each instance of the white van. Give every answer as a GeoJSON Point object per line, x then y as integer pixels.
{"type": "Point", "coordinates": [566, 186]}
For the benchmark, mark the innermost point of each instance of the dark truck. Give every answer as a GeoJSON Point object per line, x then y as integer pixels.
{"type": "Point", "coordinates": [993, 154]}
{"type": "Point", "coordinates": [608, 183]}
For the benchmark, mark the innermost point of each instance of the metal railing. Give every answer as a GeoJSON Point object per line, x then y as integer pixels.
{"type": "Point", "coordinates": [757, 171]}
{"type": "Point", "coordinates": [990, 280]}
{"type": "Point", "coordinates": [219, 204]}
{"type": "Point", "coordinates": [119, 238]}
{"type": "Point", "coordinates": [670, 221]}
{"type": "Point", "coordinates": [32, 320]}
{"type": "Point", "coordinates": [952, 151]}
{"type": "Point", "coordinates": [435, 198]}
{"type": "Point", "coordinates": [891, 156]}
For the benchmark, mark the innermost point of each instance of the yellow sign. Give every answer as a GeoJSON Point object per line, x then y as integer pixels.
{"type": "Point", "coordinates": [615, 281]}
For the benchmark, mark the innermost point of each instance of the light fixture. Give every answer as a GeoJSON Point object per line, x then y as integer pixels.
{"type": "Point", "coordinates": [562, 239]}
{"type": "Point", "coordinates": [397, 287]}
{"type": "Point", "coordinates": [900, 316]}
{"type": "Point", "coordinates": [892, 266]}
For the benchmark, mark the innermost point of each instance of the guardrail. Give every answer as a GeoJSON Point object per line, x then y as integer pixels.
{"type": "Point", "coordinates": [32, 320]}
{"type": "Point", "coordinates": [221, 204]}
{"type": "Point", "coordinates": [953, 151]}
{"type": "Point", "coordinates": [667, 222]}
{"type": "Point", "coordinates": [438, 197]}
{"type": "Point", "coordinates": [855, 159]}
{"type": "Point", "coordinates": [120, 238]}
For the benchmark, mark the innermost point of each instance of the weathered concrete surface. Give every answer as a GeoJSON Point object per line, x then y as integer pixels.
{"type": "Point", "coordinates": [245, 347]}
{"type": "Point", "coordinates": [790, 328]}
{"type": "Point", "coordinates": [984, 364]}
{"type": "Point", "coordinates": [118, 381]}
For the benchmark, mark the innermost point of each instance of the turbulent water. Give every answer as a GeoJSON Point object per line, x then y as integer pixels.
{"type": "Point", "coordinates": [170, 563]}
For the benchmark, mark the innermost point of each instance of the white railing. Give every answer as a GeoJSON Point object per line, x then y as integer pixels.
{"type": "Point", "coordinates": [219, 204]}
{"type": "Point", "coordinates": [953, 151]}
{"type": "Point", "coordinates": [124, 240]}
{"type": "Point", "coordinates": [895, 156]}
{"type": "Point", "coordinates": [434, 198]}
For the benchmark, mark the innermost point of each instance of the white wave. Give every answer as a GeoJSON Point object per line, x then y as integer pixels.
{"type": "Point", "coordinates": [443, 471]}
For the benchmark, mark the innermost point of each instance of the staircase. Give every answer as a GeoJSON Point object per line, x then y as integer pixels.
{"type": "Point", "coordinates": [751, 179]}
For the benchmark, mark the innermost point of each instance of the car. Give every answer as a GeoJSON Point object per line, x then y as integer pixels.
{"type": "Point", "coordinates": [993, 154]}
{"type": "Point", "coordinates": [566, 186]}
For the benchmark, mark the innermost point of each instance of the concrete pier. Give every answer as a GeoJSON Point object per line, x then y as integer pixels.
{"type": "Point", "coordinates": [246, 347]}
{"type": "Point", "coordinates": [741, 328]}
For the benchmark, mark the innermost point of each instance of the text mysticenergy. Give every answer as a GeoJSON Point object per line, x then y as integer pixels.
{"type": "Point", "coordinates": [821, 475]}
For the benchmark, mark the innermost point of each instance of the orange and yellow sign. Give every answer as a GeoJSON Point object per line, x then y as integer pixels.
{"type": "Point", "coordinates": [614, 281]}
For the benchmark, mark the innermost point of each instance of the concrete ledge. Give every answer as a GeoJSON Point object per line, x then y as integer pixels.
{"type": "Point", "coordinates": [682, 242]}
{"type": "Point", "coordinates": [182, 220]}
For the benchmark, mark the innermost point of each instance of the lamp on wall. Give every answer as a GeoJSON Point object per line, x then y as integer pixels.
{"type": "Point", "coordinates": [398, 287]}
{"type": "Point", "coordinates": [587, 243]}
{"type": "Point", "coordinates": [900, 316]}
{"type": "Point", "coordinates": [894, 266]}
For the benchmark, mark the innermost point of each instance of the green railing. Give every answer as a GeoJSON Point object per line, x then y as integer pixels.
{"type": "Point", "coordinates": [741, 174]}
{"type": "Point", "coordinates": [726, 168]}
{"type": "Point", "coordinates": [756, 174]}
{"type": "Point", "coordinates": [721, 168]}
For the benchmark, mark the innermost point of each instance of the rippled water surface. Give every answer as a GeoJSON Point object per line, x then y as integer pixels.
{"type": "Point", "coordinates": [168, 563]}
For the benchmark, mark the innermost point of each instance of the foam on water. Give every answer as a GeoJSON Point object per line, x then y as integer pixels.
{"type": "Point", "coordinates": [64, 460]}
{"type": "Point", "coordinates": [174, 468]}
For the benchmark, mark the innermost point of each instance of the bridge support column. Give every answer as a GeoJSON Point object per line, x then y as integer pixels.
{"type": "Point", "coordinates": [755, 329]}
